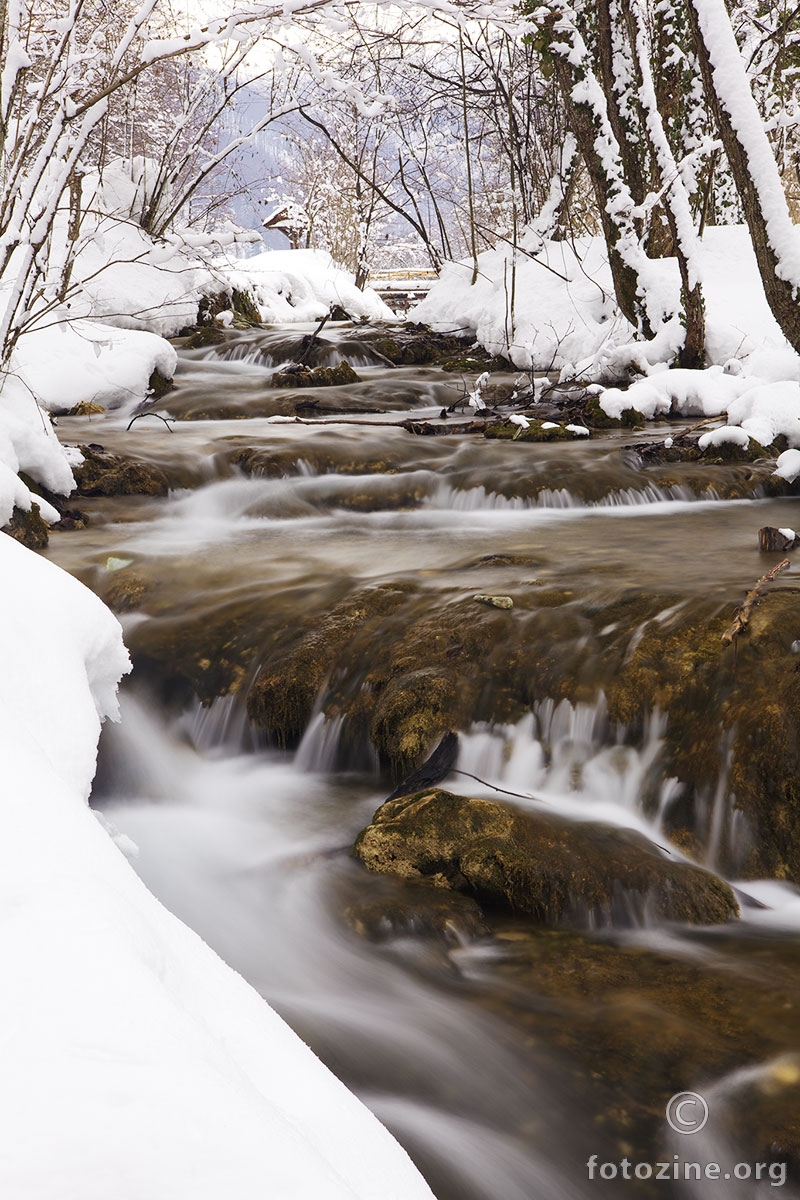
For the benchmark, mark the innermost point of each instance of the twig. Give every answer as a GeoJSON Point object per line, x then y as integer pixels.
{"type": "Point", "coordinates": [743, 612]}
{"type": "Point", "coordinates": [485, 783]}
{"type": "Point", "coordinates": [166, 420]}
{"type": "Point", "coordinates": [310, 338]}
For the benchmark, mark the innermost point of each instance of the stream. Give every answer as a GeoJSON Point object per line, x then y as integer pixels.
{"type": "Point", "coordinates": [502, 1053]}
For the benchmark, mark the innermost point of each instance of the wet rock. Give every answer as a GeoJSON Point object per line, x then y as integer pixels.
{"type": "Point", "coordinates": [598, 1003]}
{"type": "Point", "coordinates": [308, 377]}
{"type": "Point", "coordinates": [556, 871]}
{"type": "Point", "coordinates": [72, 518]}
{"type": "Point", "coordinates": [105, 474]}
{"type": "Point", "coordinates": [494, 601]}
{"type": "Point", "coordinates": [240, 301]}
{"type": "Point", "coordinates": [727, 706]}
{"type": "Point", "coordinates": [772, 540]}
{"type": "Point", "coordinates": [416, 910]}
{"type": "Point", "coordinates": [125, 591]}
{"type": "Point", "coordinates": [29, 528]}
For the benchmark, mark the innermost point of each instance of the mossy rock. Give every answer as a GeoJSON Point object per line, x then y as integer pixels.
{"type": "Point", "coordinates": [307, 377]}
{"type": "Point", "coordinates": [726, 704]}
{"type": "Point", "coordinates": [730, 452]}
{"type": "Point", "coordinates": [104, 474]}
{"type": "Point", "coordinates": [596, 418]}
{"type": "Point", "coordinates": [29, 528]}
{"type": "Point", "coordinates": [535, 432]}
{"type": "Point", "coordinates": [158, 385]}
{"type": "Point", "coordinates": [206, 335]}
{"type": "Point", "coordinates": [285, 689]}
{"type": "Point", "coordinates": [556, 871]}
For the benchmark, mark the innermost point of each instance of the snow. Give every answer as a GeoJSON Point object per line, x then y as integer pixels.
{"type": "Point", "coordinates": [769, 410]}
{"type": "Point", "coordinates": [566, 320]}
{"type": "Point", "coordinates": [302, 285]}
{"type": "Point", "coordinates": [788, 465]}
{"type": "Point", "coordinates": [727, 435]}
{"type": "Point", "coordinates": [733, 89]}
{"type": "Point", "coordinates": [135, 1062]}
{"type": "Point", "coordinates": [687, 393]}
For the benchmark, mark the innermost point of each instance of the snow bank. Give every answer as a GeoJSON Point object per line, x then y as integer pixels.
{"type": "Point", "coordinates": [51, 370]}
{"type": "Point", "coordinates": [135, 1062]}
{"type": "Point", "coordinates": [76, 361]}
{"type": "Point", "coordinates": [123, 276]}
{"type": "Point", "coordinates": [28, 443]}
{"type": "Point", "coordinates": [302, 285]}
{"type": "Point", "coordinates": [565, 317]}
{"type": "Point", "coordinates": [563, 304]}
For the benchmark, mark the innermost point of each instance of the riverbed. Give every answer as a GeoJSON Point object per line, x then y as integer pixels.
{"type": "Point", "coordinates": [502, 1054]}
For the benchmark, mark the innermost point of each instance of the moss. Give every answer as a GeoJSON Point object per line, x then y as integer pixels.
{"type": "Point", "coordinates": [413, 712]}
{"type": "Point", "coordinates": [239, 301]}
{"type": "Point", "coordinates": [29, 528]}
{"type": "Point", "coordinates": [730, 452]}
{"type": "Point", "coordinates": [306, 377]}
{"type": "Point", "coordinates": [596, 418]}
{"type": "Point", "coordinates": [535, 432]}
{"type": "Point", "coordinates": [722, 702]}
{"type": "Point", "coordinates": [553, 870]}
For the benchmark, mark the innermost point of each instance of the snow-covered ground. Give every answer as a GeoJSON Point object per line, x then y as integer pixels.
{"type": "Point", "coordinates": [135, 1062]}
{"type": "Point", "coordinates": [565, 317]}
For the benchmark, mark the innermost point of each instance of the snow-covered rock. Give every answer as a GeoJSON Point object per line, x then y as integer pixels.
{"type": "Point", "coordinates": [135, 1063]}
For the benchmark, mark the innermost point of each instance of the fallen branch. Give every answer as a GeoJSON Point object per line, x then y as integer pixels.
{"type": "Point", "coordinates": [744, 611]}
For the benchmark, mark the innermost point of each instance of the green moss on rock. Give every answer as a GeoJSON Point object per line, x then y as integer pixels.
{"type": "Point", "coordinates": [555, 871]}
{"type": "Point", "coordinates": [307, 377]}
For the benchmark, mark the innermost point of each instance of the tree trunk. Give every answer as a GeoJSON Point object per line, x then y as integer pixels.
{"type": "Point", "coordinates": [743, 144]}
{"type": "Point", "coordinates": [583, 123]}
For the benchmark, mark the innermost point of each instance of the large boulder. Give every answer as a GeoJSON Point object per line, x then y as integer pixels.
{"type": "Point", "coordinates": [558, 872]}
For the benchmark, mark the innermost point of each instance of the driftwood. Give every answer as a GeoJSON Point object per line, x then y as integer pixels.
{"type": "Point", "coordinates": [772, 540]}
{"type": "Point", "coordinates": [745, 609]}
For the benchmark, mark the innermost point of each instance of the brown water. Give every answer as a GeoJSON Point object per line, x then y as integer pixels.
{"type": "Point", "coordinates": [503, 1061]}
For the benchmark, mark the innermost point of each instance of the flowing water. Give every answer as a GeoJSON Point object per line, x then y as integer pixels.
{"type": "Point", "coordinates": [503, 1055]}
